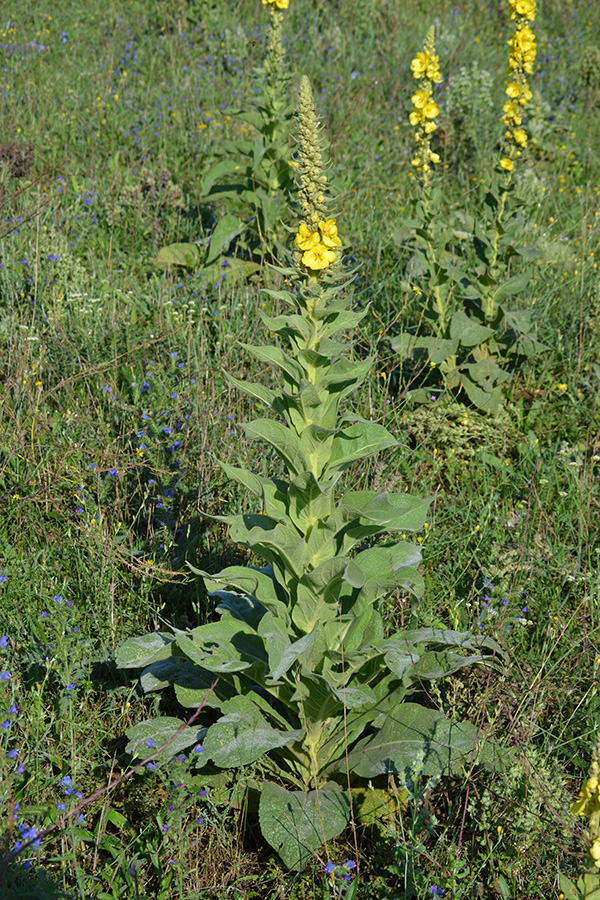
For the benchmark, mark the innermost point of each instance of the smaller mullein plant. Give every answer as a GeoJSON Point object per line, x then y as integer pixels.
{"type": "Point", "coordinates": [312, 694]}
{"type": "Point", "coordinates": [255, 177]}
{"type": "Point", "coordinates": [256, 173]}
{"type": "Point", "coordinates": [475, 328]}
{"type": "Point", "coordinates": [587, 804]}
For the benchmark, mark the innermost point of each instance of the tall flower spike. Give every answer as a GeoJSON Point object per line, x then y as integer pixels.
{"type": "Point", "coordinates": [520, 64]}
{"type": "Point", "coordinates": [588, 805]}
{"type": "Point", "coordinates": [317, 240]}
{"type": "Point", "coordinates": [425, 69]}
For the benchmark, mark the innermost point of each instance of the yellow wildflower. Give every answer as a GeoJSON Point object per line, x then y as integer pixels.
{"type": "Point", "coordinates": [507, 164]}
{"type": "Point", "coordinates": [513, 89]}
{"type": "Point", "coordinates": [319, 257]}
{"type": "Point", "coordinates": [431, 110]}
{"type": "Point", "coordinates": [421, 98]}
{"type": "Point", "coordinates": [306, 237]}
{"type": "Point", "coordinates": [420, 64]}
{"type": "Point", "coordinates": [280, 4]}
{"type": "Point", "coordinates": [329, 234]}
{"type": "Point", "coordinates": [520, 138]}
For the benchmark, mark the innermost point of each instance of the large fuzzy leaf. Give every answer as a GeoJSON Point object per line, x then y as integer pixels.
{"type": "Point", "coordinates": [149, 735]}
{"type": "Point", "coordinates": [242, 735]}
{"type": "Point", "coordinates": [297, 823]}
{"type": "Point", "coordinates": [412, 729]}
{"type": "Point", "coordinates": [138, 652]}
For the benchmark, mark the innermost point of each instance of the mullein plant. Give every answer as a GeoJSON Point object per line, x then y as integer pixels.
{"type": "Point", "coordinates": [255, 178]}
{"type": "Point", "coordinates": [587, 804]}
{"type": "Point", "coordinates": [474, 327]}
{"type": "Point", "coordinates": [312, 696]}
{"type": "Point", "coordinates": [256, 173]}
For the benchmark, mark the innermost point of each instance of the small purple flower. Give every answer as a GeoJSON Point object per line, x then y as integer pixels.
{"type": "Point", "coordinates": [150, 742]}
{"type": "Point", "coordinates": [12, 754]}
{"type": "Point", "coordinates": [200, 821]}
{"type": "Point", "coordinates": [3, 642]}
{"type": "Point", "coordinates": [13, 710]}
{"type": "Point", "coordinates": [165, 828]}
{"type": "Point", "coordinates": [114, 473]}
{"type": "Point", "coordinates": [435, 891]}
{"type": "Point", "coordinates": [199, 749]}
{"type": "Point", "coordinates": [329, 867]}
{"type": "Point", "coordinates": [6, 724]}
{"type": "Point", "coordinates": [3, 578]}
{"type": "Point", "coordinates": [151, 766]}
{"type": "Point", "coordinates": [58, 598]}
{"type": "Point", "coordinates": [69, 688]}
{"type": "Point", "coordinates": [5, 676]}
{"type": "Point", "coordinates": [60, 805]}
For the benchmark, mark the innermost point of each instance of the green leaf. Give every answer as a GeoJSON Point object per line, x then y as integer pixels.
{"type": "Point", "coordinates": [253, 389]}
{"type": "Point", "coordinates": [513, 285]}
{"type": "Point", "coordinates": [243, 735]}
{"type": "Point", "coordinates": [187, 255]}
{"type": "Point", "coordinates": [357, 442]}
{"type": "Point", "coordinates": [396, 511]}
{"type": "Point", "coordinates": [224, 167]}
{"type": "Point", "coordinates": [412, 729]}
{"type": "Point", "coordinates": [225, 231]}
{"type": "Point", "coordinates": [467, 331]}
{"type": "Point", "coordinates": [285, 441]}
{"type": "Point", "coordinates": [137, 652]}
{"type": "Point", "coordinates": [157, 732]}
{"type": "Point", "coordinates": [282, 653]}
{"type": "Point", "coordinates": [297, 823]}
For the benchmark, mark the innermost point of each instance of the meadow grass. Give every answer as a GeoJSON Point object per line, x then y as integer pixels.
{"type": "Point", "coordinates": [114, 407]}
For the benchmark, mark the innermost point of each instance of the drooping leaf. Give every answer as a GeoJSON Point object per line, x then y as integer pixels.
{"type": "Point", "coordinates": [467, 331]}
{"type": "Point", "coordinates": [186, 255]}
{"type": "Point", "coordinates": [412, 729]}
{"type": "Point", "coordinates": [151, 734]}
{"type": "Point", "coordinates": [226, 229]}
{"type": "Point", "coordinates": [297, 823]}
{"type": "Point", "coordinates": [242, 735]}
{"type": "Point", "coordinates": [138, 652]}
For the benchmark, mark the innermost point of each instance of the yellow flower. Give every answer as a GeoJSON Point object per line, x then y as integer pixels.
{"type": "Point", "coordinates": [420, 99]}
{"type": "Point", "coordinates": [513, 89]}
{"type": "Point", "coordinates": [520, 138]}
{"type": "Point", "coordinates": [419, 65]}
{"type": "Point", "coordinates": [525, 8]}
{"type": "Point", "coordinates": [415, 117]}
{"type": "Point", "coordinates": [431, 110]}
{"type": "Point", "coordinates": [306, 237]}
{"type": "Point", "coordinates": [429, 127]}
{"type": "Point", "coordinates": [319, 257]}
{"type": "Point", "coordinates": [280, 4]}
{"type": "Point", "coordinates": [329, 234]}
{"type": "Point", "coordinates": [507, 164]}
{"type": "Point", "coordinates": [510, 108]}
{"type": "Point", "coordinates": [434, 157]}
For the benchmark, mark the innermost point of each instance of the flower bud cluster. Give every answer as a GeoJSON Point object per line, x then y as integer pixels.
{"type": "Point", "coordinates": [425, 68]}
{"type": "Point", "coordinates": [520, 64]}
{"type": "Point", "coordinates": [317, 238]}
